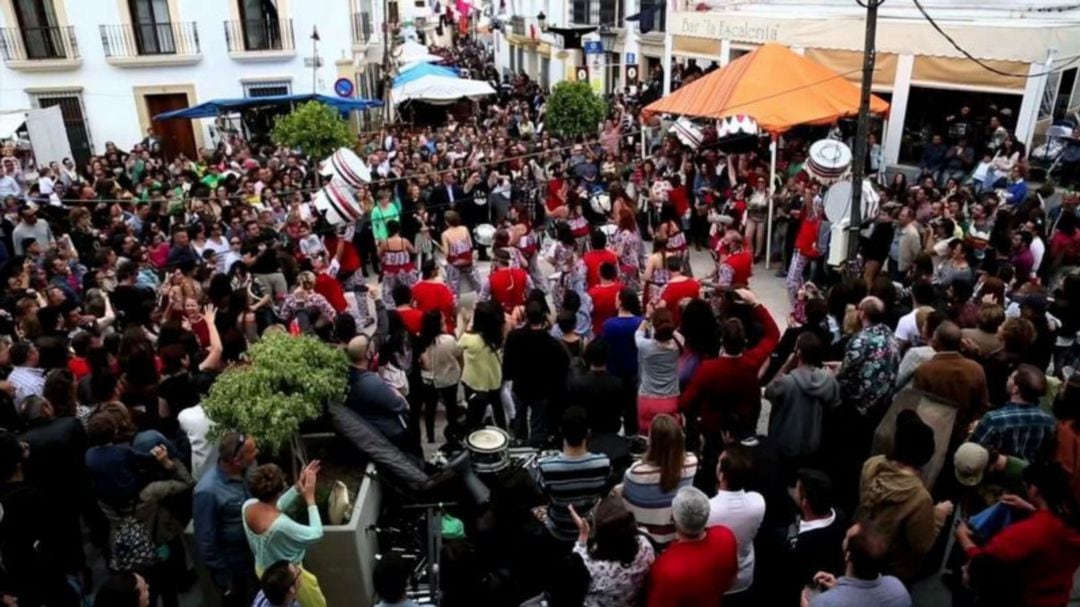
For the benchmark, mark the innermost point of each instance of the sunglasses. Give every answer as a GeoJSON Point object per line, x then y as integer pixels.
{"type": "Point", "coordinates": [241, 440]}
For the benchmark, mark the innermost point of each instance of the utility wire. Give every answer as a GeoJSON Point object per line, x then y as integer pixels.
{"type": "Point", "coordinates": [990, 68]}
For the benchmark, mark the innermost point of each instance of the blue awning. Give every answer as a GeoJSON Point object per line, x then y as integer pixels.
{"type": "Point", "coordinates": [421, 70]}
{"type": "Point", "coordinates": [216, 107]}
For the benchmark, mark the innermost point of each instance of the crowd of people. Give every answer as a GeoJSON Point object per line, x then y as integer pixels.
{"type": "Point", "coordinates": [922, 412]}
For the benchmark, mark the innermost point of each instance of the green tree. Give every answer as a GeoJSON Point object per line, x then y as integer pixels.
{"type": "Point", "coordinates": [289, 380]}
{"type": "Point", "coordinates": [574, 109]}
{"type": "Point", "coordinates": [316, 129]}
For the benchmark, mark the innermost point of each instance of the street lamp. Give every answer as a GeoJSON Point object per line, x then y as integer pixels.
{"type": "Point", "coordinates": [541, 20]}
{"type": "Point", "coordinates": [607, 38]}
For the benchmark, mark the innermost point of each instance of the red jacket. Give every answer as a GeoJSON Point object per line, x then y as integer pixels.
{"type": "Point", "coordinates": [593, 260]}
{"type": "Point", "coordinates": [691, 574]}
{"type": "Point", "coordinates": [605, 302]}
{"type": "Point", "coordinates": [674, 292]}
{"type": "Point", "coordinates": [412, 318]}
{"type": "Point", "coordinates": [807, 238]}
{"type": "Point", "coordinates": [509, 287]}
{"type": "Point", "coordinates": [727, 388]}
{"type": "Point", "coordinates": [1043, 553]}
{"type": "Point", "coordinates": [428, 295]}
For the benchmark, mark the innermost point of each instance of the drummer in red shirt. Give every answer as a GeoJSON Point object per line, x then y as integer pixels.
{"type": "Point", "coordinates": [432, 293]}
{"type": "Point", "coordinates": [506, 286]}
{"type": "Point", "coordinates": [735, 266]}
{"type": "Point", "coordinates": [605, 297]}
{"type": "Point", "coordinates": [678, 288]}
{"type": "Point", "coordinates": [410, 316]}
{"type": "Point", "coordinates": [557, 191]}
{"type": "Point", "coordinates": [597, 257]}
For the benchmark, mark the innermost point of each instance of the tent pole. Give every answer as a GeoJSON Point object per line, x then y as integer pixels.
{"type": "Point", "coordinates": [772, 194]}
{"type": "Point", "coordinates": [644, 143]}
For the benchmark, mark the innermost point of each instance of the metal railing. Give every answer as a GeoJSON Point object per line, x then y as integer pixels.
{"type": "Point", "coordinates": [38, 43]}
{"type": "Point", "coordinates": [150, 39]}
{"type": "Point", "coordinates": [362, 28]}
{"type": "Point", "coordinates": [254, 35]}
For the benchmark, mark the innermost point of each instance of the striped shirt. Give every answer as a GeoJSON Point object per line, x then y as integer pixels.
{"type": "Point", "coordinates": [580, 481]}
{"type": "Point", "coordinates": [28, 381]}
{"type": "Point", "coordinates": [650, 505]}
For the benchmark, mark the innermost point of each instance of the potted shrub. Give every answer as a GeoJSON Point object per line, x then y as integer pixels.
{"type": "Point", "coordinates": [288, 381]}
{"type": "Point", "coordinates": [284, 387]}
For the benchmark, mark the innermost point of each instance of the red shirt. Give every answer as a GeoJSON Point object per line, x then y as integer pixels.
{"type": "Point", "coordinates": [742, 267]}
{"type": "Point", "coordinates": [674, 292]}
{"type": "Point", "coordinates": [677, 197]}
{"type": "Point", "coordinates": [807, 237]}
{"type": "Point", "coordinates": [428, 295]}
{"type": "Point", "coordinates": [350, 258]}
{"type": "Point", "coordinates": [691, 574]}
{"type": "Point", "coordinates": [605, 304]}
{"type": "Point", "coordinates": [1043, 552]}
{"type": "Point", "coordinates": [553, 188]}
{"type": "Point", "coordinates": [508, 287]}
{"type": "Point", "coordinates": [79, 367]}
{"type": "Point", "coordinates": [727, 387]}
{"type": "Point", "coordinates": [328, 286]}
{"type": "Point", "coordinates": [412, 318]}
{"type": "Point", "coordinates": [593, 260]}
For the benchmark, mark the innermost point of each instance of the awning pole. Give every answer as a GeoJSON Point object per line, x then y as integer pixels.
{"type": "Point", "coordinates": [772, 194]}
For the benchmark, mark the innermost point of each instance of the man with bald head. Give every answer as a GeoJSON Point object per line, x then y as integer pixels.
{"type": "Point", "coordinates": [373, 399]}
{"type": "Point", "coordinates": [953, 378]}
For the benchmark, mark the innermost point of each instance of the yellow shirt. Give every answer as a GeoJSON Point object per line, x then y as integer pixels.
{"type": "Point", "coordinates": [483, 368]}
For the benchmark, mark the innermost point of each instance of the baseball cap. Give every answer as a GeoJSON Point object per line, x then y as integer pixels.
{"type": "Point", "coordinates": [969, 463]}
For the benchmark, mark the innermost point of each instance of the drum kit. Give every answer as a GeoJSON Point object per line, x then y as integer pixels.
{"type": "Point", "coordinates": [337, 199]}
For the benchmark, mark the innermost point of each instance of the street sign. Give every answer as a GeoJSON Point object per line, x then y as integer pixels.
{"type": "Point", "coordinates": [582, 74]}
{"type": "Point", "coordinates": [313, 62]}
{"type": "Point", "coordinates": [631, 74]}
{"type": "Point", "coordinates": [344, 87]}
{"type": "Point", "coordinates": [593, 47]}
{"type": "Point", "coordinates": [631, 58]}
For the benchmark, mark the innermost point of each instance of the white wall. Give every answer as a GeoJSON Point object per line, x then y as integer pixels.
{"type": "Point", "coordinates": [107, 90]}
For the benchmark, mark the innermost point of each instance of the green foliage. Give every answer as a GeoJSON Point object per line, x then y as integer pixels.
{"type": "Point", "coordinates": [289, 381]}
{"type": "Point", "coordinates": [574, 109]}
{"type": "Point", "coordinates": [316, 129]}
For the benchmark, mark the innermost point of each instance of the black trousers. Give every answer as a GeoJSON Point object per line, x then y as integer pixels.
{"type": "Point", "coordinates": [477, 402]}
{"type": "Point", "coordinates": [431, 398]}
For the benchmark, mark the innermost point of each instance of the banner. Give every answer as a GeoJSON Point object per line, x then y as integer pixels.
{"type": "Point", "coordinates": [594, 59]}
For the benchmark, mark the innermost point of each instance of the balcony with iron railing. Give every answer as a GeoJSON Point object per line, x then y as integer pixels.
{"type": "Point", "coordinates": [517, 25]}
{"type": "Point", "coordinates": [151, 44]}
{"type": "Point", "coordinates": [260, 39]}
{"type": "Point", "coordinates": [363, 28]}
{"type": "Point", "coordinates": [39, 48]}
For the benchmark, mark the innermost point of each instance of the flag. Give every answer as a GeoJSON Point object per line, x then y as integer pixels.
{"type": "Point", "coordinates": [647, 17]}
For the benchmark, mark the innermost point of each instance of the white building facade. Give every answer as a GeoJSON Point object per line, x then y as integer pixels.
{"type": "Point", "coordinates": [521, 46]}
{"type": "Point", "coordinates": [111, 65]}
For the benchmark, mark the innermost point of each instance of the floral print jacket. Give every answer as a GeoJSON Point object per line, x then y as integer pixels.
{"type": "Point", "coordinates": [868, 373]}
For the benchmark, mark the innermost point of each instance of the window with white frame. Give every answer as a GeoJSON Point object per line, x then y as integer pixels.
{"type": "Point", "coordinates": [268, 88]}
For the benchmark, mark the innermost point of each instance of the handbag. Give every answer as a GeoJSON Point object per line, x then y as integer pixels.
{"type": "Point", "coordinates": [132, 547]}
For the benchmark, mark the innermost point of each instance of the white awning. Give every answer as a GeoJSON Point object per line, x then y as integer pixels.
{"type": "Point", "coordinates": [440, 90]}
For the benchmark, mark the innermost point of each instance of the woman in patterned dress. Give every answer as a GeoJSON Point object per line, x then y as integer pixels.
{"type": "Point", "coordinates": [618, 558]}
{"type": "Point", "coordinates": [566, 262]}
{"type": "Point", "coordinates": [628, 247]}
{"type": "Point", "coordinates": [396, 257]}
{"type": "Point", "coordinates": [656, 272]}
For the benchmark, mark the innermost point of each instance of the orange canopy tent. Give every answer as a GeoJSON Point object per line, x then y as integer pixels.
{"type": "Point", "coordinates": [778, 88]}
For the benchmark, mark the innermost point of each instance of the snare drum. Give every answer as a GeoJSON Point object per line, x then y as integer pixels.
{"type": "Point", "coordinates": [489, 449]}
{"type": "Point", "coordinates": [484, 234]}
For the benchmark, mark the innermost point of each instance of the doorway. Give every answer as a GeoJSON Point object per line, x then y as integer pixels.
{"type": "Point", "coordinates": [177, 135]}
{"type": "Point", "coordinates": [78, 132]}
